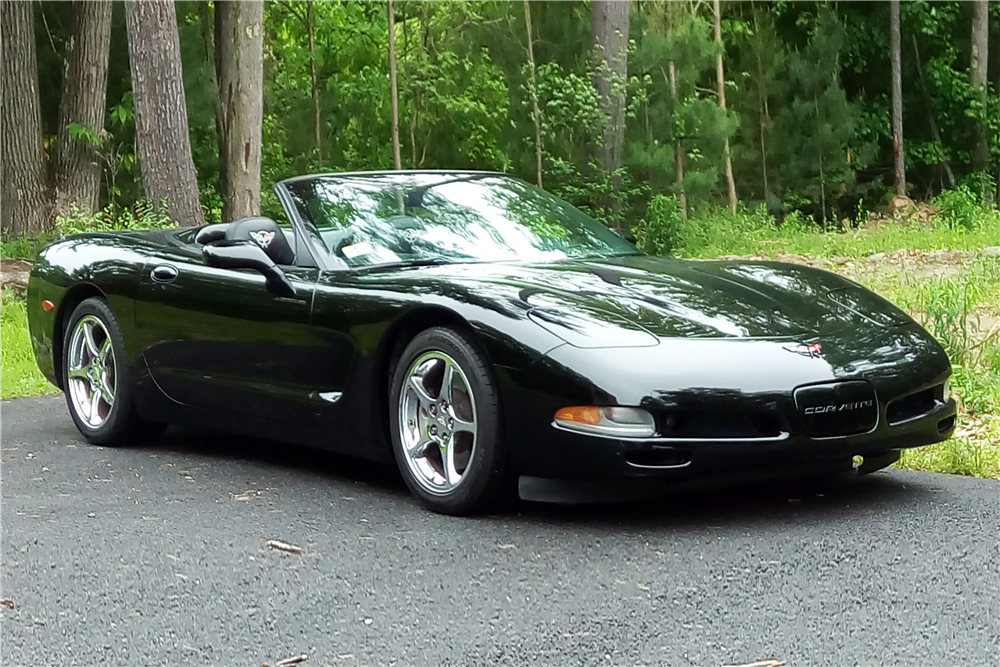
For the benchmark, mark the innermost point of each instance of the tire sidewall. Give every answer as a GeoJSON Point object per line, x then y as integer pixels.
{"type": "Point", "coordinates": [116, 424]}
{"type": "Point", "coordinates": [484, 476]}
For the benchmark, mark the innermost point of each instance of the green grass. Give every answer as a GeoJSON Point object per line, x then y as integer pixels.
{"type": "Point", "coordinates": [19, 375]}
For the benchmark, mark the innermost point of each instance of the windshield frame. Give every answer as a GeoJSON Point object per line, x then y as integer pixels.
{"type": "Point", "coordinates": [330, 261]}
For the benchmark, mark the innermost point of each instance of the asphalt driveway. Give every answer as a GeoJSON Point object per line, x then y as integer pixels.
{"type": "Point", "coordinates": [157, 555]}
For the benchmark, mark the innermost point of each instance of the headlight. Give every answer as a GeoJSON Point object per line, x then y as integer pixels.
{"type": "Point", "coordinates": [946, 390]}
{"type": "Point", "coordinates": [607, 420]}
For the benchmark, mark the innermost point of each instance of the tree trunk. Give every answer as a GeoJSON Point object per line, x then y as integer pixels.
{"type": "Point", "coordinates": [536, 114]}
{"type": "Point", "coordinates": [161, 124]}
{"type": "Point", "coordinates": [897, 100]}
{"type": "Point", "coordinates": [78, 161]}
{"type": "Point", "coordinates": [397, 161]}
{"type": "Point", "coordinates": [720, 82]}
{"type": "Point", "coordinates": [609, 33]}
{"type": "Point", "coordinates": [935, 134]}
{"type": "Point", "coordinates": [24, 196]}
{"type": "Point", "coordinates": [764, 115]}
{"type": "Point", "coordinates": [678, 147]}
{"type": "Point", "coordinates": [239, 45]}
{"type": "Point", "coordinates": [977, 77]}
{"type": "Point", "coordinates": [317, 126]}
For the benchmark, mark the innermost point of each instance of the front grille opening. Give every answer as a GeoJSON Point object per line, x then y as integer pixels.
{"type": "Point", "coordinates": [912, 406]}
{"type": "Point", "coordinates": [946, 424]}
{"type": "Point", "coordinates": [722, 424]}
{"type": "Point", "coordinates": [659, 458]}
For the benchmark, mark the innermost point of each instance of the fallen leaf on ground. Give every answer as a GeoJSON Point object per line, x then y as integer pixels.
{"type": "Point", "coordinates": [284, 546]}
{"type": "Point", "coordinates": [7, 603]}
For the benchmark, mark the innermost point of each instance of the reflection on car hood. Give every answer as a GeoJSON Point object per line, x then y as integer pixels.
{"type": "Point", "coordinates": [679, 298]}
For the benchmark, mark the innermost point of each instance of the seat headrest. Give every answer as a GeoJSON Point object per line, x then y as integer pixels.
{"type": "Point", "coordinates": [264, 232]}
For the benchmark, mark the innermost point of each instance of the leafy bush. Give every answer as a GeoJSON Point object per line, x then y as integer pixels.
{"type": "Point", "coordinates": [963, 209]}
{"type": "Point", "coordinates": [141, 216]}
{"type": "Point", "coordinates": [710, 230]}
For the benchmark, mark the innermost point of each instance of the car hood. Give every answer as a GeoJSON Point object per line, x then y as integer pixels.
{"type": "Point", "coordinates": [640, 299]}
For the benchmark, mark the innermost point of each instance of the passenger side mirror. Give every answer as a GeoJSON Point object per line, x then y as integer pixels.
{"type": "Point", "coordinates": [248, 255]}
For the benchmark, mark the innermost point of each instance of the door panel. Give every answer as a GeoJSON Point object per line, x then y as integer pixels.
{"type": "Point", "coordinates": [218, 338]}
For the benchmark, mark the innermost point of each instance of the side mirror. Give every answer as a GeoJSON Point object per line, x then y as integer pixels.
{"type": "Point", "coordinates": [248, 255]}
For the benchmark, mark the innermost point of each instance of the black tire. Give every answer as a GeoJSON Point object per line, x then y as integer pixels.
{"type": "Point", "coordinates": [119, 425]}
{"type": "Point", "coordinates": [485, 477]}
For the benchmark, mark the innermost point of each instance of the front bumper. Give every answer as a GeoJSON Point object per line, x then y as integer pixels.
{"type": "Point", "coordinates": [570, 455]}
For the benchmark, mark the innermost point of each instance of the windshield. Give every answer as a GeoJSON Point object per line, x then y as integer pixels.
{"type": "Point", "coordinates": [381, 219]}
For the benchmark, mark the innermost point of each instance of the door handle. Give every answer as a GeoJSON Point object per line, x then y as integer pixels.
{"type": "Point", "coordinates": [164, 273]}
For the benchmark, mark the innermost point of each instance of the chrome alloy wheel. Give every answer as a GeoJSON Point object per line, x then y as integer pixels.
{"type": "Point", "coordinates": [91, 371]}
{"type": "Point", "coordinates": [437, 422]}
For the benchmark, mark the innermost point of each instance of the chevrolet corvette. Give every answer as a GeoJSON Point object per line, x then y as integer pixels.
{"type": "Point", "coordinates": [488, 338]}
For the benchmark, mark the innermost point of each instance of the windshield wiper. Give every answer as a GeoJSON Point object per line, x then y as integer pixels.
{"type": "Point", "coordinates": [436, 261]}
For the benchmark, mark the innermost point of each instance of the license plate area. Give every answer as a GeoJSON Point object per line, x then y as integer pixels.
{"type": "Point", "coordinates": [837, 408]}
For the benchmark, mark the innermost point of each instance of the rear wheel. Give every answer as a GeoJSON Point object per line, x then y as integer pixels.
{"type": "Point", "coordinates": [445, 426]}
{"type": "Point", "coordinates": [95, 378]}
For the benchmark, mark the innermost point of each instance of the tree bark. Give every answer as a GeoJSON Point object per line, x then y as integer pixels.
{"type": "Point", "coordinates": [162, 138]}
{"type": "Point", "coordinates": [609, 34]}
{"type": "Point", "coordinates": [897, 100]}
{"type": "Point", "coordinates": [24, 196]}
{"type": "Point", "coordinates": [977, 77]}
{"type": "Point", "coordinates": [536, 114]}
{"type": "Point", "coordinates": [78, 161]}
{"type": "Point", "coordinates": [720, 82]}
{"type": "Point", "coordinates": [397, 161]}
{"type": "Point", "coordinates": [239, 45]}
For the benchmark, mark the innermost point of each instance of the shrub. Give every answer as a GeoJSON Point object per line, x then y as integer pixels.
{"type": "Point", "coordinates": [141, 216]}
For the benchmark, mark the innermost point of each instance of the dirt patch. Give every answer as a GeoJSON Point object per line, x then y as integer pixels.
{"type": "Point", "coordinates": [915, 263]}
{"type": "Point", "coordinates": [14, 274]}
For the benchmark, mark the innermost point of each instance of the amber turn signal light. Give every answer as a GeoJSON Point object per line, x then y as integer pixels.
{"type": "Point", "coordinates": [581, 414]}
{"type": "Point", "coordinates": [612, 420]}
{"type": "Point", "coordinates": [48, 306]}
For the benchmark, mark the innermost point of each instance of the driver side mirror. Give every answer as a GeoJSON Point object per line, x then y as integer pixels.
{"type": "Point", "coordinates": [248, 255]}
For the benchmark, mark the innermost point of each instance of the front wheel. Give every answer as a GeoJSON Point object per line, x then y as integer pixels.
{"type": "Point", "coordinates": [445, 423]}
{"type": "Point", "coordinates": [95, 378]}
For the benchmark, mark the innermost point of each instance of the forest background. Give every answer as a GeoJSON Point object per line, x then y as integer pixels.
{"type": "Point", "coordinates": [638, 131]}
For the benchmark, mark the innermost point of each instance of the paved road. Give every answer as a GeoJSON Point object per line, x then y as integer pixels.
{"type": "Point", "coordinates": [157, 556]}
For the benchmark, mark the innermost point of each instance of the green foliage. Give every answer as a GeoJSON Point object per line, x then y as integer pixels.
{"type": "Point", "coordinates": [141, 216]}
{"type": "Point", "coordinates": [962, 208]}
{"type": "Point", "coordinates": [807, 90]}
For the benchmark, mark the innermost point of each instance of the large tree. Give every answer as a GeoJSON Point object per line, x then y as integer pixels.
{"type": "Point", "coordinates": [978, 67]}
{"type": "Point", "coordinates": [393, 90]}
{"type": "Point", "coordinates": [720, 83]}
{"type": "Point", "coordinates": [162, 138]}
{"type": "Point", "coordinates": [239, 53]}
{"type": "Point", "coordinates": [24, 202]}
{"type": "Point", "coordinates": [533, 90]}
{"type": "Point", "coordinates": [897, 100]}
{"type": "Point", "coordinates": [609, 37]}
{"type": "Point", "coordinates": [81, 109]}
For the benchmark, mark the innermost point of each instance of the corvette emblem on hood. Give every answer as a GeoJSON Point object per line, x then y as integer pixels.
{"type": "Point", "coordinates": [806, 349]}
{"type": "Point", "coordinates": [262, 238]}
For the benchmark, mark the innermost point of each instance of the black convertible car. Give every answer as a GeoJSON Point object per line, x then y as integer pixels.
{"type": "Point", "coordinates": [487, 336]}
